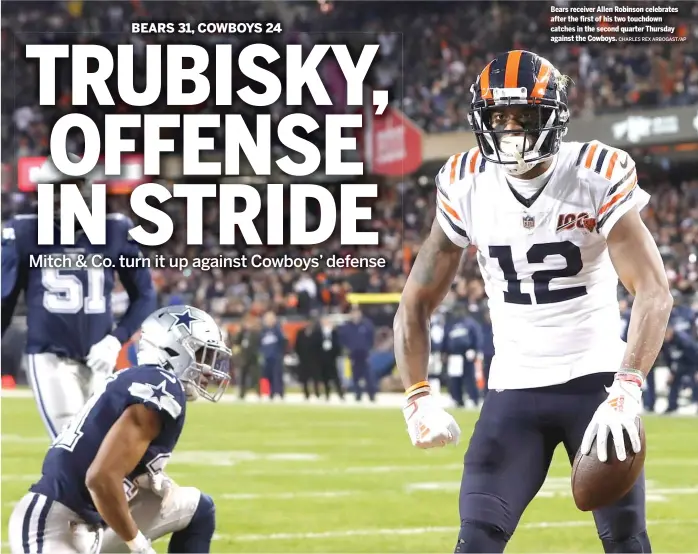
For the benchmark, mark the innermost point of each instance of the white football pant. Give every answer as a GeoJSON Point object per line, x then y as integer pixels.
{"type": "Point", "coordinates": [61, 387]}
{"type": "Point", "coordinates": [38, 525]}
{"type": "Point", "coordinates": [145, 509]}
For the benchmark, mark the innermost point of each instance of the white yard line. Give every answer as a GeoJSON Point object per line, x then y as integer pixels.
{"type": "Point", "coordinates": [423, 530]}
{"type": "Point", "coordinates": [414, 531]}
{"type": "Point", "coordinates": [384, 400]}
{"type": "Point", "coordinates": [288, 495]}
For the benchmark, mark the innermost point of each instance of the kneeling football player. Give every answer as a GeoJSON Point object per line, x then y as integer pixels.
{"type": "Point", "coordinates": [115, 451]}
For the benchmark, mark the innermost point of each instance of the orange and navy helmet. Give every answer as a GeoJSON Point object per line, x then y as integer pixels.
{"type": "Point", "coordinates": [538, 93]}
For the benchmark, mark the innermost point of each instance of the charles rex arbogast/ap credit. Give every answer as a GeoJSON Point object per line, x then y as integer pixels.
{"type": "Point", "coordinates": [349, 276]}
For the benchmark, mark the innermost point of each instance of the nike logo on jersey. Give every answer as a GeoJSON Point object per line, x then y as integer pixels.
{"type": "Point", "coordinates": [566, 222]}
{"type": "Point", "coordinates": [624, 163]}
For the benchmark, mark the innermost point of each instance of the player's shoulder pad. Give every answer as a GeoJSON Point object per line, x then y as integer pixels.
{"type": "Point", "coordinates": [604, 166]}
{"type": "Point", "coordinates": [20, 226]}
{"type": "Point", "coordinates": [157, 387]}
{"type": "Point", "coordinates": [458, 170]}
{"type": "Point", "coordinates": [121, 224]}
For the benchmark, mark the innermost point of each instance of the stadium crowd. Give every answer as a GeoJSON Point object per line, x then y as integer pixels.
{"type": "Point", "coordinates": [443, 49]}
{"type": "Point", "coordinates": [429, 55]}
{"type": "Point", "coordinates": [441, 46]}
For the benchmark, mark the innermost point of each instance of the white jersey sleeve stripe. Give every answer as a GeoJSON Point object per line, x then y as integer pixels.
{"type": "Point", "coordinates": [454, 173]}
{"type": "Point", "coordinates": [611, 165]}
{"type": "Point", "coordinates": [616, 201]}
{"type": "Point", "coordinates": [455, 233]}
{"type": "Point", "coordinates": [448, 209]}
{"type": "Point", "coordinates": [600, 160]}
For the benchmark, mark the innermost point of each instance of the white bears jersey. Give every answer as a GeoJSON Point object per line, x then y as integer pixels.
{"type": "Point", "coordinates": [551, 285]}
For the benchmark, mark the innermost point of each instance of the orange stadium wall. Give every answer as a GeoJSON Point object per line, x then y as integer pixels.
{"type": "Point", "coordinates": [290, 329]}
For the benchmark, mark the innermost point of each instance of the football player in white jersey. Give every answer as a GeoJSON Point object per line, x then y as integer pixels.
{"type": "Point", "coordinates": [555, 226]}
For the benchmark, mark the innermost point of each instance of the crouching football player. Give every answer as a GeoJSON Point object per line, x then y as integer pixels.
{"type": "Point", "coordinates": [103, 487]}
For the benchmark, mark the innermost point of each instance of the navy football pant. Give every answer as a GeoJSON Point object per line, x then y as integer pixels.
{"type": "Point", "coordinates": [467, 381]}
{"type": "Point", "coordinates": [486, 364]}
{"type": "Point", "coordinates": [361, 373]}
{"type": "Point", "coordinates": [509, 456]}
{"type": "Point", "coordinates": [679, 378]}
{"type": "Point", "coordinates": [274, 373]}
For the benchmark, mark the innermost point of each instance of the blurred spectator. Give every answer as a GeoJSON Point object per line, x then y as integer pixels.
{"type": "Point", "coordinates": [248, 343]}
{"type": "Point", "coordinates": [308, 363]}
{"type": "Point", "coordinates": [273, 347]}
{"type": "Point", "coordinates": [358, 338]}
{"type": "Point", "coordinates": [327, 347]}
{"type": "Point", "coordinates": [461, 348]}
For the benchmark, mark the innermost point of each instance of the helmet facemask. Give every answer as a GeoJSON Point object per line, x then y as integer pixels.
{"type": "Point", "coordinates": [543, 124]}
{"type": "Point", "coordinates": [208, 374]}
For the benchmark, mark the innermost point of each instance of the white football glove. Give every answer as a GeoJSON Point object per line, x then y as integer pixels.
{"type": "Point", "coordinates": [103, 355]}
{"type": "Point", "coordinates": [615, 414]}
{"type": "Point", "coordinates": [140, 545]}
{"type": "Point", "coordinates": [428, 424]}
{"type": "Point", "coordinates": [163, 486]}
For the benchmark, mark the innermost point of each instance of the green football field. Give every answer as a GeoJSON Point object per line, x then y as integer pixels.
{"type": "Point", "coordinates": [293, 478]}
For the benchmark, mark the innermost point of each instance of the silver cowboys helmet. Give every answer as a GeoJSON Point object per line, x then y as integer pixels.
{"type": "Point", "coordinates": [188, 342]}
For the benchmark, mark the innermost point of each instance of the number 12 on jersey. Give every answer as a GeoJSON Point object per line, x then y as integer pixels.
{"type": "Point", "coordinates": [541, 279]}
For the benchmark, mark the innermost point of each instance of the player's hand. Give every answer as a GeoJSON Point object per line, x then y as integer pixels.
{"type": "Point", "coordinates": [103, 355]}
{"type": "Point", "coordinates": [616, 414]}
{"type": "Point", "coordinates": [146, 550]}
{"type": "Point", "coordinates": [163, 486]}
{"type": "Point", "coordinates": [140, 545]}
{"type": "Point", "coordinates": [428, 424]}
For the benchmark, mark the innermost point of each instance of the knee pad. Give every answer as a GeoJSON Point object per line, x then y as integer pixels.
{"type": "Point", "coordinates": [639, 543]}
{"type": "Point", "coordinates": [476, 536]}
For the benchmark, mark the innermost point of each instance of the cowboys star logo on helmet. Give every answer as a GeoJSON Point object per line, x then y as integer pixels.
{"type": "Point", "coordinates": [190, 343]}
{"type": "Point", "coordinates": [185, 319]}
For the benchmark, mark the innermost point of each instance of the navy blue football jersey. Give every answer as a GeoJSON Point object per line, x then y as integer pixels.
{"type": "Point", "coordinates": [69, 310]}
{"type": "Point", "coordinates": [683, 319]}
{"type": "Point", "coordinates": [73, 450]}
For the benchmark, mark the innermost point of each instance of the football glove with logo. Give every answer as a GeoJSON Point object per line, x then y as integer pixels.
{"type": "Point", "coordinates": [428, 424]}
{"type": "Point", "coordinates": [616, 414]}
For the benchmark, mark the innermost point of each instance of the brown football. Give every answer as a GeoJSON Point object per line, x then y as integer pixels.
{"type": "Point", "coordinates": [596, 484]}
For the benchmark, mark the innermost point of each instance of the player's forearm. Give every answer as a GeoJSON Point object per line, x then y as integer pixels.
{"type": "Point", "coordinates": [412, 344]}
{"type": "Point", "coordinates": [426, 287]}
{"type": "Point", "coordinates": [141, 304]}
{"type": "Point", "coordinates": [108, 495]}
{"type": "Point", "coordinates": [648, 322]}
